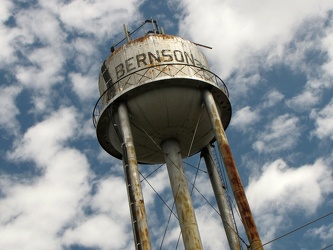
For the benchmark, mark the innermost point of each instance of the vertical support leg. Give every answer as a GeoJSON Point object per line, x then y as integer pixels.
{"type": "Point", "coordinates": [181, 194]}
{"type": "Point", "coordinates": [233, 175]}
{"type": "Point", "coordinates": [134, 191]}
{"type": "Point", "coordinates": [221, 200]}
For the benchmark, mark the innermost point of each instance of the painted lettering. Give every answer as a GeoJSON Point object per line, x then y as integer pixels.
{"type": "Point", "coordinates": [167, 55]}
{"type": "Point", "coordinates": [189, 58]}
{"type": "Point", "coordinates": [129, 64]}
{"type": "Point", "coordinates": [198, 63]}
{"type": "Point", "coordinates": [141, 58]}
{"type": "Point", "coordinates": [153, 57]}
{"type": "Point", "coordinates": [157, 57]}
{"type": "Point", "coordinates": [120, 70]}
{"type": "Point", "coordinates": [178, 56]}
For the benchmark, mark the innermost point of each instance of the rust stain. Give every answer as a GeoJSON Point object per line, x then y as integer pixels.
{"type": "Point", "coordinates": [147, 37]}
{"type": "Point", "coordinates": [234, 177]}
{"type": "Point", "coordinates": [142, 39]}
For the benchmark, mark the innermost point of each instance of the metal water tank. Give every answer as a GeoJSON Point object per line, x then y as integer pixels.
{"type": "Point", "coordinates": [161, 78]}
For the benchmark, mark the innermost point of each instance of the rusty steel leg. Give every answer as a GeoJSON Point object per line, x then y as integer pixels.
{"type": "Point", "coordinates": [233, 175]}
{"type": "Point", "coordinates": [221, 200]}
{"type": "Point", "coordinates": [134, 191]}
{"type": "Point", "coordinates": [181, 194]}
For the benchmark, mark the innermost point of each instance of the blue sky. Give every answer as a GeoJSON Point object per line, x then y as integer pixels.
{"type": "Point", "coordinates": [60, 190]}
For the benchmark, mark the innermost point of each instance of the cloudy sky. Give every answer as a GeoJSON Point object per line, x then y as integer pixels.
{"type": "Point", "coordinates": [60, 190]}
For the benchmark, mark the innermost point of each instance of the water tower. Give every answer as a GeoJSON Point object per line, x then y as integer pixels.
{"type": "Point", "coordinates": [159, 102]}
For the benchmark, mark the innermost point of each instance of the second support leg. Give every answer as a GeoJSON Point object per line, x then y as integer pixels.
{"type": "Point", "coordinates": [182, 197]}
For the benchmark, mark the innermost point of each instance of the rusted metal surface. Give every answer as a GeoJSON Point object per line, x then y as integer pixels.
{"type": "Point", "coordinates": [182, 197]}
{"type": "Point", "coordinates": [221, 200]}
{"type": "Point", "coordinates": [160, 78]}
{"type": "Point", "coordinates": [134, 191]}
{"type": "Point", "coordinates": [143, 75]}
{"type": "Point", "coordinates": [142, 39]}
{"type": "Point", "coordinates": [148, 51]}
{"type": "Point", "coordinates": [233, 175]}
{"type": "Point", "coordinates": [164, 108]}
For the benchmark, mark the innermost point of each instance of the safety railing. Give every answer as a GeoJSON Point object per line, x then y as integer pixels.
{"type": "Point", "coordinates": [155, 72]}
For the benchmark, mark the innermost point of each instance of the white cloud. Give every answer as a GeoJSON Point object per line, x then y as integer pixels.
{"type": "Point", "coordinates": [88, 129]}
{"type": "Point", "coordinates": [248, 40]}
{"type": "Point", "coordinates": [324, 122]}
{"type": "Point", "coordinates": [85, 87]}
{"type": "Point", "coordinates": [304, 101]}
{"type": "Point", "coordinates": [324, 233]}
{"type": "Point", "coordinates": [6, 35]}
{"type": "Point", "coordinates": [45, 139]}
{"type": "Point", "coordinates": [53, 50]}
{"type": "Point", "coordinates": [86, 56]}
{"type": "Point", "coordinates": [211, 229]}
{"type": "Point", "coordinates": [328, 44]}
{"type": "Point", "coordinates": [305, 52]}
{"type": "Point", "coordinates": [97, 17]}
{"type": "Point", "coordinates": [160, 181]}
{"type": "Point", "coordinates": [33, 212]}
{"type": "Point", "coordinates": [244, 118]}
{"type": "Point", "coordinates": [320, 84]}
{"type": "Point", "coordinates": [104, 157]}
{"type": "Point", "coordinates": [244, 28]}
{"type": "Point", "coordinates": [281, 190]}
{"type": "Point", "coordinates": [45, 71]}
{"type": "Point", "coordinates": [172, 237]}
{"type": "Point", "coordinates": [9, 111]}
{"type": "Point", "coordinates": [111, 197]}
{"type": "Point", "coordinates": [306, 185]}
{"type": "Point", "coordinates": [39, 26]}
{"type": "Point", "coordinates": [241, 84]}
{"type": "Point", "coordinates": [100, 232]}
{"type": "Point", "coordinates": [109, 225]}
{"type": "Point", "coordinates": [5, 10]}
{"type": "Point", "coordinates": [46, 212]}
{"type": "Point", "coordinates": [6, 53]}
{"type": "Point", "coordinates": [51, 205]}
{"type": "Point", "coordinates": [40, 53]}
{"type": "Point", "coordinates": [272, 98]}
{"type": "Point", "coordinates": [281, 134]}
{"type": "Point", "coordinates": [45, 50]}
